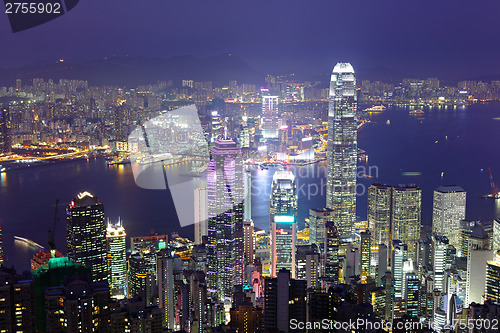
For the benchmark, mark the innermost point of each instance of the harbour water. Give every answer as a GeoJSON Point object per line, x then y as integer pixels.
{"type": "Point", "coordinates": [443, 146]}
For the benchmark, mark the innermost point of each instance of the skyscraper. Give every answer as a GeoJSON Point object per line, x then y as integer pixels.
{"type": "Point", "coordinates": [448, 212]}
{"type": "Point", "coordinates": [317, 223]}
{"type": "Point", "coordinates": [249, 242]}
{"type": "Point", "coordinates": [117, 259]}
{"type": "Point", "coordinates": [200, 215]}
{"type": "Point", "coordinates": [269, 114]}
{"type": "Point", "coordinates": [342, 149]}
{"type": "Point", "coordinates": [1, 246]}
{"type": "Point", "coordinates": [166, 290]}
{"type": "Point", "coordinates": [5, 135]}
{"type": "Point", "coordinates": [283, 227]}
{"type": "Point", "coordinates": [493, 279]}
{"type": "Point", "coordinates": [331, 253]}
{"type": "Point", "coordinates": [379, 213]}
{"type": "Point", "coordinates": [86, 234]}
{"type": "Point", "coordinates": [225, 220]}
{"type": "Point", "coordinates": [365, 255]}
{"type": "Point", "coordinates": [406, 217]}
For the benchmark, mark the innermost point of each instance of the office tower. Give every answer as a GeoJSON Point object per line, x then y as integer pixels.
{"type": "Point", "coordinates": [412, 293]}
{"type": "Point", "coordinates": [448, 212]}
{"type": "Point", "coordinates": [477, 256]}
{"type": "Point", "coordinates": [399, 256]}
{"type": "Point", "coordinates": [331, 254]}
{"type": "Point", "coordinates": [246, 318]}
{"type": "Point", "coordinates": [317, 223]}
{"type": "Point", "coordinates": [379, 213]}
{"type": "Point", "coordinates": [5, 131]}
{"type": "Point", "coordinates": [17, 308]}
{"type": "Point", "coordinates": [493, 279]}
{"type": "Point", "coordinates": [117, 259]}
{"type": "Point", "coordinates": [141, 279]}
{"type": "Point", "coordinates": [342, 149]}
{"type": "Point", "coordinates": [166, 290]}
{"type": "Point", "coordinates": [270, 114]}
{"type": "Point", "coordinates": [200, 215]}
{"type": "Point", "coordinates": [249, 242]}
{"type": "Point", "coordinates": [308, 265]}
{"type": "Point", "coordinates": [406, 217]}
{"type": "Point", "coordinates": [365, 255]}
{"type": "Point", "coordinates": [284, 300]}
{"type": "Point", "coordinates": [86, 234]}
{"type": "Point", "coordinates": [383, 251]}
{"type": "Point", "coordinates": [283, 228]}
{"type": "Point", "coordinates": [225, 220]}
{"type": "Point", "coordinates": [496, 235]}
{"type": "Point", "coordinates": [247, 203]}
{"type": "Point", "coordinates": [153, 243]}
{"type": "Point", "coordinates": [439, 260]}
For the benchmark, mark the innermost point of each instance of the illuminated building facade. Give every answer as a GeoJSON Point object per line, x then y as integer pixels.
{"type": "Point", "coordinates": [225, 190]}
{"type": "Point", "coordinates": [342, 149]}
{"type": "Point", "coordinates": [448, 211]}
{"type": "Point", "coordinates": [116, 245]}
{"type": "Point", "coordinates": [406, 217]}
{"type": "Point", "coordinates": [270, 114]}
{"type": "Point", "coordinates": [5, 131]}
{"type": "Point", "coordinates": [365, 255]}
{"type": "Point", "coordinates": [493, 279]}
{"type": "Point", "coordinates": [379, 213]}
{"type": "Point", "coordinates": [86, 234]}
{"type": "Point", "coordinates": [331, 254]}
{"type": "Point", "coordinates": [317, 226]}
{"type": "Point", "coordinates": [283, 227]}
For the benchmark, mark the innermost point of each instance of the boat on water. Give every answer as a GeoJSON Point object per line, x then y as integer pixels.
{"type": "Point", "coordinates": [417, 112]}
{"type": "Point", "coordinates": [376, 108]}
{"type": "Point", "coordinates": [388, 122]}
{"type": "Point", "coordinates": [2, 169]}
{"type": "Point", "coordinates": [27, 241]}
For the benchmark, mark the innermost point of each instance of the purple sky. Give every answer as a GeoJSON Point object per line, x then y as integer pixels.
{"type": "Point", "coordinates": [446, 38]}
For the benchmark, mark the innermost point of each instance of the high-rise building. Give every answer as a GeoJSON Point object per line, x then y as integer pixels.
{"type": "Point", "coordinates": [153, 243]}
{"type": "Point", "coordinates": [270, 114]}
{"type": "Point", "coordinates": [1, 246]}
{"type": "Point", "coordinates": [399, 256]}
{"type": "Point", "coordinates": [200, 215]}
{"type": "Point", "coordinates": [478, 254]}
{"type": "Point", "coordinates": [492, 292]}
{"type": "Point", "coordinates": [5, 131]}
{"type": "Point", "coordinates": [448, 212]}
{"type": "Point", "coordinates": [412, 293]}
{"type": "Point", "coordinates": [308, 265]}
{"type": "Point", "coordinates": [342, 149]}
{"type": "Point", "coordinates": [365, 255]}
{"type": "Point", "coordinates": [249, 242]}
{"type": "Point", "coordinates": [283, 226]}
{"type": "Point", "coordinates": [317, 224]}
{"type": "Point", "coordinates": [141, 279]}
{"type": "Point", "coordinates": [117, 259]}
{"type": "Point", "coordinates": [439, 260]}
{"type": "Point", "coordinates": [225, 188]}
{"type": "Point", "coordinates": [379, 213]}
{"type": "Point", "coordinates": [166, 289]}
{"type": "Point", "coordinates": [331, 254]}
{"type": "Point", "coordinates": [406, 217]}
{"type": "Point", "coordinates": [496, 235]}
{"type": "Point", "coordinates": [86, 234]}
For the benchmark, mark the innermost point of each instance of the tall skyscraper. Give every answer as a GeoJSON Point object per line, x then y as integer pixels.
{"type": "Point", "coordinates": [493, 279]}
{"type": "Point", "coordinates": [5, 128]}
{"type": "Point", "coordinates": [166, 289]}
{"type": "Point", "coordinates": [317, 226]}
{"type": "Point", "coordinates": [225, 220]}
{"type": "Point", "coordinates": [283, 226]}
{"type": "Point", "coordinates": [86, 234]}
{"type": "Point", "coordinates": [406, 217]}
{"type": "Point", "coordinates": [399, 256]}
{"type": "Point", "coordinates": [448, 212]}
{"type": "Point", "coordinates": [200, 215]}
{"type": "Point", "coordinates": [249, 242]}
{"type": "Point", "coordinates": [379, 213]}
{"type": "Point", "coordinates": [365, 255]}
{"type": "Point", "coordinates": [331, 254]}
{"type": "Point", "coordinates": [342, 149]}
{"type": "Point", "coordinates": [270, 114]}
{"type": "Point", "coordinates": [117, 259]}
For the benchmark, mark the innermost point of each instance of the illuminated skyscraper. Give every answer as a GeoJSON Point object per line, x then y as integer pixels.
{"type": "Point", "coordinates": [448, 212]}
{"type": "Point", "coordinates": [399, 256]}
{"type": "Point", "coordinates": [379, 213]}
{"type": "Point", "coordinates": [117, 259]}
{"type": "Point", "coordinates": [86, 234]}
{"type": "Point", "coordinates": [5, 128]}
{"type": "Point", "coordinates": [270, 114]}
{"type": "Point", "coordinates": [166, 291]}
{"type": "Point", "coordinates": [225, 220]}
{"type": "Point", "coordinates": [200, 215]}
{"type": "Point", "coordinates": [317, 226]}
{"type": "Point", "coordinates": [365, 255]}
{"type": "Point", "coordinates": [331, 253]}
{"type": "Point", "coordinates": [283, 228]}
{"type": "Point", "coordinates": [1, 246]}
{"type": "Point", "coordinates": [342, 149]}
{"type": "Point", "coordinates": [493, 279]}
{"type": "Point", "coordinates": [249, 242]}
{"type": "Point", "coordinates": [406, 217]}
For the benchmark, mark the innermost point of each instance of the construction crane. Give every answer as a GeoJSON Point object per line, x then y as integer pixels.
{"type": "Point", "coordinates": [52, 243]}
{"type": "Point", "coordinates": [494, 187]}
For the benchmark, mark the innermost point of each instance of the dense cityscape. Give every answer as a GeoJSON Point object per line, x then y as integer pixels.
{"type": "Point", "coordinates": [338, 273]}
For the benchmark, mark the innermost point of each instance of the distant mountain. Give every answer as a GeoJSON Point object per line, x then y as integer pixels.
{"type": "Point", "coordinates": [134, 71]}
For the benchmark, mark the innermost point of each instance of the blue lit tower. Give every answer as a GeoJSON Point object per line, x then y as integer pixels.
{"type": "Point", "coordinates": [342, 149]}
{"type": "Point", "coordinates": [283, 226]}
{"type": "Point", "coordinates": [225, 192]}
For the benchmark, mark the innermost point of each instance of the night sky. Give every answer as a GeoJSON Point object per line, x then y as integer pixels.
{"type": "Point", "coordinates": [451, 39]}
